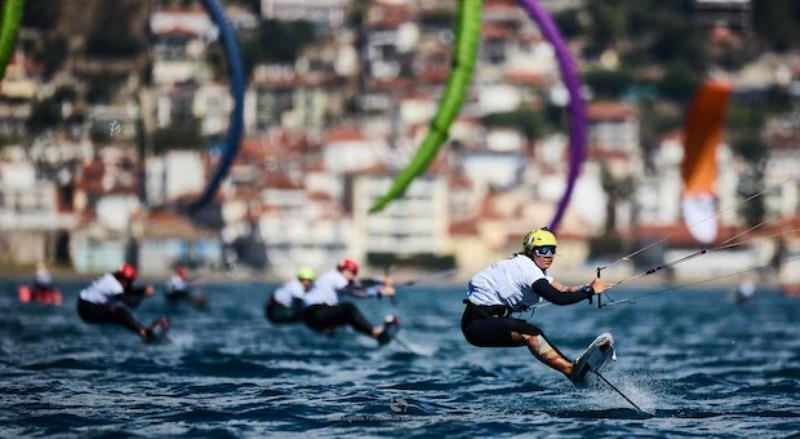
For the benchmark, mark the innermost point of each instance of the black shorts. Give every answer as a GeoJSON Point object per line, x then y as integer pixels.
{"type": "Point", "coordinates": [107, 313]}
{"type": "Point", "coordinates": [176, 295]}
{"type": "Point", "coordinates": [324, 318]}
{"type": "Point", "coordinates": [277, 313]}
{"type": "Point", "coordinates": [486, 326]}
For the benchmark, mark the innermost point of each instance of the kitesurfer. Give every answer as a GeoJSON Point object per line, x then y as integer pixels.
{"type": "Point", "coordinates": [98, 303]}
{"type": "Point", "coordinates": [285, 305]}
{"type": "Point", "coordinates": [43, 281]}
{"type": "Point", "coordinates": [178, 289]}
{"type": "Point", "coordinates": [516, 284]}
{"type": "Point", "coordinates": [323, 312]}
{"type": "Point", "coordinates": [41, 290]}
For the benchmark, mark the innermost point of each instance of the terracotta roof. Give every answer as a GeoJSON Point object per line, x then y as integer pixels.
{"type": "Point", "coordinates": [677, 234]}
{"type": "Point", "coordinates": [492, 31]}
{"type": "Point", "coordinates": [343, 134]}
{"type": "Point", "coordinates": [435, 74]}
{"type": "Point", "coordinates": [674, 135]}
{"type": "Point", "coordinates": [277, 180]}
{"type": "Point", "coordinates": [469, 227]}
{"type": "Point", "coordinates": [529, 78]}
{"type": "Point", "coordinates": [389, 85]}
{"type": "Point", "coordinates": [488, 210]}
{"type": "Point", "coordinates": [531, 39]}
{"type": "Point", "coordinates": [193, 9]}
{"type": "Point", "coordinates": [294, 80]}
{"type": "Point", "coordinates": [385, 16]}
{"type": "Point", "coordinates": [177, 31]}
{"type": "Point", "coordinates": [500, 5]}
{"type": "Point", "coordinates": [610, 111]}
{"type": "Point", "coordinates": [784, 226]}
{"type": "Point", "coordinates": [319, 196]}
{"type": "Point", "coordinates": [166, 224]}
{"type": "Point", "coordinates": [597, 153]}
{"type": "Point", "coordinates": [459, 180]}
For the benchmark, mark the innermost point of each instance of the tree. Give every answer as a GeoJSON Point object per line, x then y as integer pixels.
{"type": "Point", "coordinates": [41, 14]}
{"type": "Point", "coordinates": [679, 82]}
{"type": "Point", "coordinates": [569, 24]}
{"type": "Point", "coordinates": [608, 83]}
{"type": "Point", "coordinates": [531, 123]}
{"type": "Point", "coordinates": [778, 22]}
{"type": "Point", "coordinates": [617, 189]}
{"type": "Point", "coordinates": [278, 42]}
{"type": "Point", "coordinates": [181, 136]}
{"type": "Point", "coordinates": [52, 54]}
{"type": "Point", "coordinates": [100, 90]}
{"type": "Point", "coordinates": [744, 125]}
{"type": "Point", "coordinates": [45, 114]}
{"type": "Point", "coordinates": [112, 35]}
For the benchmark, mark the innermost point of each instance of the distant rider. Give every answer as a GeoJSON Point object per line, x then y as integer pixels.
{"type": "Point", "coordinates": [43, 281]}
{"type": "Point", "coordinates": [516, 284]}
{"type": "Point", "coordinates": [323, 312]}
{"type": "Point", "coordinates": [285, 305]}
{"type": "Point", "coordinates": [98, 303]}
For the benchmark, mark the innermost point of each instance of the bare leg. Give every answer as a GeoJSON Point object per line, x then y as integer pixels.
{"type": "Point", "coordinates": [544, 352]}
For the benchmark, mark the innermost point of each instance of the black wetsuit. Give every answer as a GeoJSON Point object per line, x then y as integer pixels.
{"type": "Point", "coordinates": [326, 317]}
{"type": "Point", "coordinates": [178, 290]}
{"type": "Point", "coordinates": [178, 295]}
{"type": "Point", "coordinates": [491, 326]}
{"type": "Point", "coordinates": [113, 312]}
{"type": "Point", "coordinates": [279, 314]}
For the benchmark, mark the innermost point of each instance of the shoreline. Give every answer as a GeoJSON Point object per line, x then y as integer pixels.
{"type": "Point", "coordinates": [573, 276]}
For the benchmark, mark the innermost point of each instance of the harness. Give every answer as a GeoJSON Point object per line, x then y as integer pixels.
{"type": "Point", "coordinates": [484, 311]}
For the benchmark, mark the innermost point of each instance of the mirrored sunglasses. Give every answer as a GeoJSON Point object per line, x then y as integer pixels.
{"type": "Point", "coordinates": [548, 250]}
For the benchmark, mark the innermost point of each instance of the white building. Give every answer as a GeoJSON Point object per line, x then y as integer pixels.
{"type": "Point", "coordinates": [614, 133]}
{"type": "Point", "coordinates": [30, 217]}
{"type": "Point", "coordinates": [182, 36]}
{"type": "Point", "coordinates": [417, 223]}
{"type": "Point", "coordinates": [292, 241]}
{"type": "Point", "coordinates": [191, 20]}
{"type": "Point", "coordinates": [349, 150]}
{"type": "Point", "coordinates": [325, 13]}
{"type": "Point", "coordinates": [658, 194]}
{"type": "Point", "coordinates": [492, 169]}
{"type": "Point", "coordinates": [114, 122]}
{"type": "Point", "coordinates": [114, 211]}
{"type": "Point", "coordinates": [213, 104]}
{"type": "Point", "coordinates": [302, 228]}
{"type": "Point", "coordinates": [173, 175]}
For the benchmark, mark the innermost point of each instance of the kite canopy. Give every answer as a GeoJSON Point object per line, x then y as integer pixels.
{"type": "Point", "coordinates": [9, 22]}
{"type": "Point", "coordinates": [703, 135]}
{"type": "Point", "coordinates": [233, 141]}
{"type": "Point", "coordinates": [468, 33]}
{"type": "Point", "coordinates": [463, 64]}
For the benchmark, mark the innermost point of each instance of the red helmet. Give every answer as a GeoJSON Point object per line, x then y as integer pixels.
{"type": "Point", "coordinates": [181, 271]}
{"type": "Point", "coordinates": [348, 264]}
{"type": "Point", "coordinates": [128, 271]}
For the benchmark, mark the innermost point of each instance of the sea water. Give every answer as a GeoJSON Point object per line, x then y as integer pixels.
{"type": "Point", "coordinates": [695, 363]}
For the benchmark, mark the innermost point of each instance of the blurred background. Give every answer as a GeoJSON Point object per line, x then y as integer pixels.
{"type": "Point", "coordinates": [114, 116]}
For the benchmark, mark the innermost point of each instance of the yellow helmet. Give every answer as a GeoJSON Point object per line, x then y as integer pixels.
{"type": "Point", "coordinates": [539, 238]}
{"type": "Point", "coordinates": [306, 273]}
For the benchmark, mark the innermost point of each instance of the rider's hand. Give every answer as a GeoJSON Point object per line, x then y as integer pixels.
{"type": "Point", "coordinates": [388, 281]}
{"type": "Point", "coordinates": [388, 290]}
{"type": "Point", "coordinates": [149, 290]}
{"type": "Point", "coordinates": [599, 285]}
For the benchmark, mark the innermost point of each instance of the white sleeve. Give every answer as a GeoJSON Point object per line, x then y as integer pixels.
{"type": "Point", "coordinates": [111, 285]}
{"type": "Point", "coordinates": [341, 282]}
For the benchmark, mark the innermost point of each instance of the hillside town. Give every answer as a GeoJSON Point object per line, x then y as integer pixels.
{"type": "Point", "coordinates": [102, 151]}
